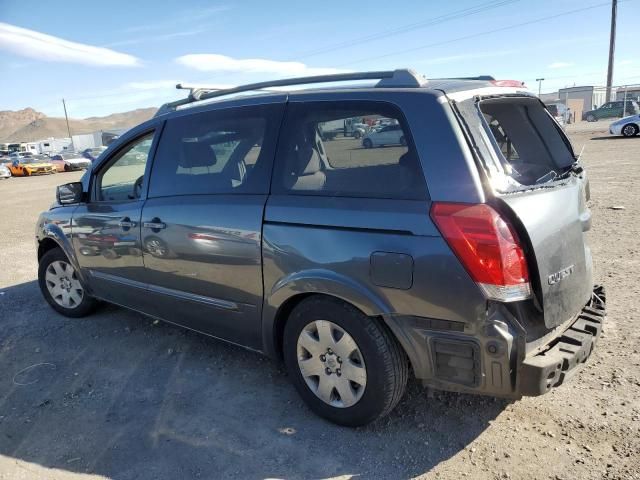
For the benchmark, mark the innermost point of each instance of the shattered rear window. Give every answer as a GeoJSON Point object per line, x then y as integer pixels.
{"type": "Point", "coordinates": [524, 143]}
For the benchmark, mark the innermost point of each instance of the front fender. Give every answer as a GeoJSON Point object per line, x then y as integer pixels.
{"type": "Point", "coordinates": [316, 281]}
{"type": "Point", "coordinates": [56, 226]}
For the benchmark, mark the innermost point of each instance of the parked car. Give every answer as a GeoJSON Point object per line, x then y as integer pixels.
{"type": "Point", "coordinates": [611, 110]}
{"type": "Point", "coordinates": [4, 171]}
{"type": "Point", "coordinates": [68, 162]}
{"type": "Point", "coordinates": [30, 165]}
{"type": "Point", "coordinates": [459, 257]}
{"type": "Point", "coordinates": [391, 134]}
{"type": "Point", "coordinates": [93, 153]}
{"type": "Point", "coordinates": [627, 126]}
{"type": "Point", "coordinates": [14, 155]}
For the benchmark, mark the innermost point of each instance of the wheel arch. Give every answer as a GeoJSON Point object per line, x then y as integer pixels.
{"type": "Point", "coordinates": [292, 289]}
{"type": "Point", "coordinates": [51, 236]}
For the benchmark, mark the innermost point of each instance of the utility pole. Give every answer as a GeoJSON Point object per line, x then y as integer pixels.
{"type": "Point", "coordinates": [539, 80]}
{"type": "Point", "coordinates": [64, 105]}
{"type": "Point", "coordinates": [612, 47]}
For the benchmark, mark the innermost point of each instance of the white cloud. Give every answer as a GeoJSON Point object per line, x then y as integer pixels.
{"type": "Point", "coordinates": [40, 46]}
{"type": "Point", "coordinates": [209, 62]}
{"type": "Point", "coordinates": [560, 65]}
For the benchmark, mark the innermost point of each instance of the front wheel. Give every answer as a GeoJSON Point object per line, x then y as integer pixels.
{"type": "Point", "coordinates": [591, 118]}
{"type": "Point", "coordinates": [347, 367]}
{"type": "Point", "coordinates": [61, 287]}
{"type": "Point", "coordinates": [630, 130]}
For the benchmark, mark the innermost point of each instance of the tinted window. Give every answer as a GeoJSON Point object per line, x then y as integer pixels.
{"type": "Point", "coordinates": [122, 179]}
{"type": "Point", "coordinates": [324, 153]}
{"type": "Point", "coordinates": [223, 151]}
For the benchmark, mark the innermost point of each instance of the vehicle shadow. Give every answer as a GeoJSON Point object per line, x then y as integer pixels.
{"type": "Point", "coordinates": [611, 137]}
{"type": "Point", "coordinates": [119, 395]}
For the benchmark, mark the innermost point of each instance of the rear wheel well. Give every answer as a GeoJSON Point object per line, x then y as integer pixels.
{"type": "Point", "coordinates": [281, 319]}
{"type": "Point", "coordinates": [46, 245]}
{"type": "Point", "coordinates": [287, 307]}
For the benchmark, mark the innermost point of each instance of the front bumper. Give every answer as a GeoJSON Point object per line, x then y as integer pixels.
{"type": "Point", "coordinates": [558, 363]}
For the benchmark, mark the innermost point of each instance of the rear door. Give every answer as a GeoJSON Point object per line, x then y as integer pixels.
{"type": "Point", "coordinates": [201, 225]}
{"type": "Point", "coordinates": [534, 183]}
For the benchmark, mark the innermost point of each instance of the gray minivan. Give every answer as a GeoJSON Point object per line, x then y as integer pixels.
{"type": "Point", "coordinates": [457, 255]}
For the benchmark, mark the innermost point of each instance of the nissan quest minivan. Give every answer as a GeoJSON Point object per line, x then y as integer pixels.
{"type": "Point", "coordinates": [453, 251]}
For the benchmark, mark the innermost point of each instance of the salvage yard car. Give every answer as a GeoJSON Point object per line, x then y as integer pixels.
{"type": "Point", "coordinates": [627, 126]}
{"type": "Point", "coordinates": [4, 171]}
{"type": "Point", "coordinates": [68, 162]}
{"type": "Point", "coordinates": [30, 165]}
{"type": "Point", "coordinates": [457, 255]}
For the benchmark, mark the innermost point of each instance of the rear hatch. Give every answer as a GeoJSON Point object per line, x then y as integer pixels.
{"type": "Point", "coordinates": [534, 179]}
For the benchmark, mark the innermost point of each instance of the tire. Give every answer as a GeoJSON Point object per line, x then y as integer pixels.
{"type": "Point", "coordinates": [630, 130]}
{"type": "Point", "coordinates": [591, 118]}
{"type": "Point", "coordinates": [25, 172]}
{"type": "Point", "coordinates": [367, 143]}
{"type": "Point", "coordinates": [50, 270]}
{"type": "Point", "coordinates": [67, 168]}
{"type": "Point", "coordinates": [357, 135]}
{"type": "Point", "coordinates": [378, 364]}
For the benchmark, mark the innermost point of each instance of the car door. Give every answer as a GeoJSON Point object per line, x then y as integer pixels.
{"type": "Point", "coordinates": [202, 221]}
{"type": "Point", "coordinates": [106, 229]}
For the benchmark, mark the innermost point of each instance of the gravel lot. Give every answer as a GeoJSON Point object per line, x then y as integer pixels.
{"type": "Point", "coordinates": [116, 395]}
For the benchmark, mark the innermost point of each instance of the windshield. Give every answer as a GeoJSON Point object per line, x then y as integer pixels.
{"type": "Point", "coordinates": [521, 145]}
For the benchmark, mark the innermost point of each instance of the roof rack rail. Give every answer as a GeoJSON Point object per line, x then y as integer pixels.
{"type": "Point", "coordinates": [400, 78]}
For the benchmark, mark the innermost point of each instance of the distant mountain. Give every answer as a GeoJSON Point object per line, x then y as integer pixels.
{"type": "Point", "coordinates": [29, 125]}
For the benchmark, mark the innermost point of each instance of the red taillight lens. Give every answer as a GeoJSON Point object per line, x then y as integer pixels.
{"type": "Point", "coordinates": [487, 246]}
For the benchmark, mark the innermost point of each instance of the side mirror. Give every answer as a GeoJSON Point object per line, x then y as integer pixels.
{"type": "Point", "coordinates": [69, 193]}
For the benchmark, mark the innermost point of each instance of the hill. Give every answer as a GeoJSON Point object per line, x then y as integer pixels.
{"type": "Point", "coordinates": [29, 125]}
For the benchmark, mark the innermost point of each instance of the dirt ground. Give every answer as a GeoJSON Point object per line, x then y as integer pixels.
{"type": "Point", "coordinates": [118, 396]}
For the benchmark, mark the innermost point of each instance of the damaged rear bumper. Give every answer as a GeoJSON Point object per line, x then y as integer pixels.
{"type": "Point", "coordinates": [555, 365]}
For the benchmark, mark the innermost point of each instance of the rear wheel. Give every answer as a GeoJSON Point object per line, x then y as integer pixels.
{"type": "Point", "coordinates": [25, 172]}
{"type": "Point", "coordinates": [367, 143]}
{"type": "Point", "coordinates": [630, 130]}
{"type": "Point", "coordinates": [67, 168]}
{"type": "Point", "coordinates": [591, 118]}
{"type": "Point", "coordinates": [347, 367]}
{"type": "Point", "coordinates": [61, 287]}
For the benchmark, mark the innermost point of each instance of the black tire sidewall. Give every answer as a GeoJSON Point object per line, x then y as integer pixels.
{"type": "Point", "coordinates": [373, 402]}
{"type": "Point", "coordinates": [88, 303]}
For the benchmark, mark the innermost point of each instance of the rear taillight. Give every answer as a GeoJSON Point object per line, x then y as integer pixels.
{"type": "Point", "coordinates": [487, 246]}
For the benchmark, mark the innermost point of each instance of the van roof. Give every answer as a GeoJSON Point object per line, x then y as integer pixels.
{"type": "Point", "coordinates": [394, 79]}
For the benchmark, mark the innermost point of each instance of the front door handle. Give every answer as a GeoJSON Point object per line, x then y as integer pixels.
{"type": "Point", "coordinates": [126, 223]}
{"type": "Point", "coordinates": [154, 224]}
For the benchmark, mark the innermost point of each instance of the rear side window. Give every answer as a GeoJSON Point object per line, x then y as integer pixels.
{"type": "Point", "coordinates": [217, 152]}
{"type": "Point", "coordinates": [530, 148]}
{"type": "Point", "coordinates": [347, 149]}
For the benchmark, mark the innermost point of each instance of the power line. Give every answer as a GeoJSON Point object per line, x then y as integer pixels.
{"type": "Point", "coordinates": [409, 27]}
{"type": "Point", "coordinates": [475, 35]}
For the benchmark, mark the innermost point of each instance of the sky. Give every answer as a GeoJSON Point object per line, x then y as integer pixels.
{"type": "Point", "coordinates": [107, 57]}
